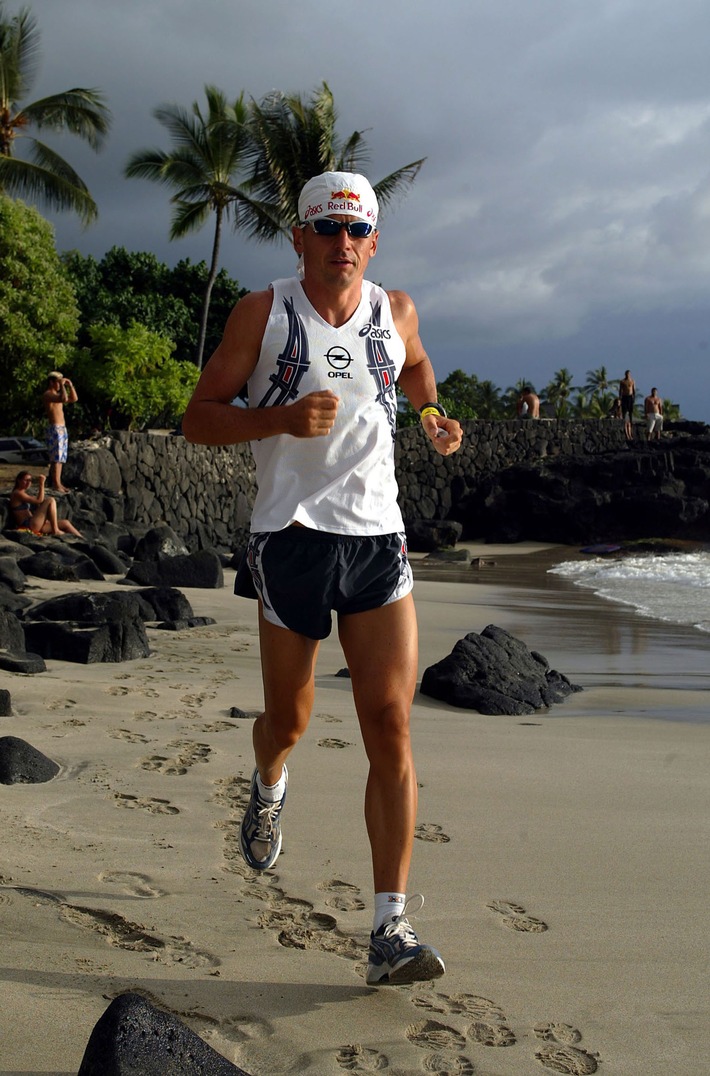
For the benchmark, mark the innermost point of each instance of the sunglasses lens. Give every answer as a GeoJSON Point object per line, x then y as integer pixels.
{"type": "Point", "coordinates": [357, 229]}
{"type": "Point", "coordinates": [324, 226]}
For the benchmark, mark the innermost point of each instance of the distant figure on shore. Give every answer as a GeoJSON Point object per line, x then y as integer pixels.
{"type": "Point", "coordinates": [627, 395]}
{"type": "Point", "coordinates": [59, 392]}
{"type": "Point", "coordinates": [653, 409]}
{"type": "Point", "coordinates": [528, 404]}
{"type": "Point", "coordinates": [37, 514]}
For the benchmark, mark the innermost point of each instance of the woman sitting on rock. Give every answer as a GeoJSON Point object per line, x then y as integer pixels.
{"type": "Point", "coordinates": [37, 514]}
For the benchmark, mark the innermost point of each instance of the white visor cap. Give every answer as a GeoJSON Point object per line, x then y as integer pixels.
{"type": "Point", "coordinates": [338, 192]}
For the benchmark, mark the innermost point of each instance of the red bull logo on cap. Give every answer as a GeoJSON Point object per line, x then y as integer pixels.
{"type": "Point", "coordinates": [347, 194]}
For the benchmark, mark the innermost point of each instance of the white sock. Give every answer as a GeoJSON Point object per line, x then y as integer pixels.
{"type": "Point", "coordinates": [272, 793]}
{"type": "Point", "coordinates": [387, 906]}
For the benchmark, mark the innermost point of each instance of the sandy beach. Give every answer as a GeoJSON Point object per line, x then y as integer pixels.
{"type": "Point", "coordinates": [563, 856]}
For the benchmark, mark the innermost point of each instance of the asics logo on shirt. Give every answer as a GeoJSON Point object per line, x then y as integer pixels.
{"type": "Point", "coordinates": [374, 332]}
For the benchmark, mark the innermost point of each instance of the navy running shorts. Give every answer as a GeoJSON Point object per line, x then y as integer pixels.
{"type": "Point", "coordinates": [302, 576]}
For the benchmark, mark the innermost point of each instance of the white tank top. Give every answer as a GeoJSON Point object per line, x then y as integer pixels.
{"type": "Point", "coordinates": [344, 482]}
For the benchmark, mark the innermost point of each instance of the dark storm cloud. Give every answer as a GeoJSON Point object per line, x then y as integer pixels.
{"type": "Point", "coordinates": [563, 214]}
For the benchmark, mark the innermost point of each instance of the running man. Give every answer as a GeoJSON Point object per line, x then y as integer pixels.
{"type": "Point", "coordinates": [59, 392]}
{"type": "Point", "coordinates": [321, 356]}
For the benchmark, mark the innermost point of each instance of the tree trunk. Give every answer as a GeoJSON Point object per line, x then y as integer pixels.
{"type": "Point", "coordinates": [211, 277]}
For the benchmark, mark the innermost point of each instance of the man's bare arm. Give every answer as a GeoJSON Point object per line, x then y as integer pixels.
{"type": "Point", "coordinates": [417, 378]}
{"type": "Point", "coordinates": [212, 419]}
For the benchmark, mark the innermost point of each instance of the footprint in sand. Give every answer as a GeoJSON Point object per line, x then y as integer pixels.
{"type": "Point", "coordinates": [116, 690]}
{"type": "Point", "coordinates": [355, 1058]}
{"type": "Point", "coordinates": [330, 741]}
{"type": "Point", "coordinates": [462, 1005]}
{"type": "Point", "coordinates": [491, 1034]}
{"type": "Point", "coordinates": [329, 719]}
{"type": "Point", "coordinates": [61, 704]}
{"type": "Point", "coordinates": [431, 1035]}
{"type": "Point", "coordinates": [429, 831]}
{"type": "Point", "coordinates": [132, 937]}
{"type": "Point", "coordinates": [516, 917]}
{"type": "Point", "coordinates": [445, 1065]}
{"type": "Point", "coordinates": [559, 1051]}
{"type": "Point", "coordinates": [151, 805]}
{"type": "Point", "coordinates": [345, 896]}
{"type": "Point", "coordinates": [127, 735]}
{"type": "Point", "coordinates": [136, 885]}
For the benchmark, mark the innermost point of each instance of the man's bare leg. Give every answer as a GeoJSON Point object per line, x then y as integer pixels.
{"type": "Point", "coordinates": [383, 691]}
{"type": "Point", "coordinates": [287, 666]}
{"type": "Point", "coordinates": [287, 670]}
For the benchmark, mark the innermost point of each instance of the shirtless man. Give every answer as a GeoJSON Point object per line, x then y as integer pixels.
{"type": "Point", "coordinates": [627, 395]}
{"type": "Point", "coordinates": [528, 404]}
{"type": "Point", "coordinates": [59, 392]}
{"type": "Point", "coordinates": [653, 409]}
{"type": "Point", "coordinates": [322, 357]}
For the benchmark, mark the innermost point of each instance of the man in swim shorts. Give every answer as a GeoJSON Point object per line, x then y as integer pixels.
{"type": "Point", "coordinates": [322, 356]}
{"type": "Point", "coordinates": [59, 391]}
{"type": "Point", "coordinates": [653, 409]}
{"type": "Point", "coordinates": [627, 395]}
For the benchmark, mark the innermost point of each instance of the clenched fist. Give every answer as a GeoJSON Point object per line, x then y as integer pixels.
{"type": "Point", "coordinates": [313, 415]}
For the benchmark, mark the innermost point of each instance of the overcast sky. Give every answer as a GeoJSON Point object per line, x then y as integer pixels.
{"type": "Point", "coordinates": [562, 217]}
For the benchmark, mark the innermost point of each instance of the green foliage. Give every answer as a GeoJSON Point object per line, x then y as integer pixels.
{"type": "Point", "coordinates": [40, 173]}
{"type": "Point", "coordinates": [39, 316]}
{"type": "Point", "coordinates": [124, 287]}
{"type": "Point", "coordinates": [128, 377]}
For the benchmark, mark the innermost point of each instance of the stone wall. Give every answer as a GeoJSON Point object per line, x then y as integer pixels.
{"type": "Point", "coordinates": [206, 494]}
{"type": "Point", "coordinates": [432, 486]}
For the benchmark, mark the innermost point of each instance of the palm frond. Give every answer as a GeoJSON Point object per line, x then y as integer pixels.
{"type": "Point", "coordinates": [25, 179]}
{"type": "Point", "coordinates": [80, 111]}
{"type": "Point", "coordinates": [19, 55]}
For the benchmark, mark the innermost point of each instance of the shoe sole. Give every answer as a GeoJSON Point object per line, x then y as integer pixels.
{"type": "Point", "coordinates": [423, 967]}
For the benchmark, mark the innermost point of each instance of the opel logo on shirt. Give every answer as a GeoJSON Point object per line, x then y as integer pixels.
{"type": "Point", "coordinates": [339, 358]}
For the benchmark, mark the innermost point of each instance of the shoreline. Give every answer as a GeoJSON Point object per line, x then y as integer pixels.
{"type": "Point", "coordinates": [587, 819]}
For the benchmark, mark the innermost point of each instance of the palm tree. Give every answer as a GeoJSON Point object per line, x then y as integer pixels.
{"type": "Point", "coordinates": [558, 392]}
{"type": "Point", "coordinates": [488, 401]}
{"type": "Point", "coordinates": [598, 383]}
{"type": "Point", "coordinates": [202, 168]}
{"type": "Point", "coordinates": [45, 176]}
{"type": "Point", "coordinates": [294, 140]}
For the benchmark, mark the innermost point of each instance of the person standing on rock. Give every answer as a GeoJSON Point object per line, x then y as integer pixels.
{"type": "Point", "coordinates": [653, 409]}
{"type": "Point", "coordinates": [58, 393]}
{"type": "Point", "coordinates": [627, 395]}
{"type": "Point", "coordinates": [322, 356]}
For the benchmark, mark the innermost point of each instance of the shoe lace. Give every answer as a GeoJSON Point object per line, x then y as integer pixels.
{"type": "Point", "coordinates": [400, 924]}
{"type": "Point", "coordinates": [267, 814]}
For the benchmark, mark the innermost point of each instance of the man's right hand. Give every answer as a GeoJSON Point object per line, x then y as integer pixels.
{"type": "Point", "coordinates": [313, 415]}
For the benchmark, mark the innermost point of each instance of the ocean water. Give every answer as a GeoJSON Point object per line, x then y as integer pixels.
{"type": "Point", "coordinates": [673, 587]}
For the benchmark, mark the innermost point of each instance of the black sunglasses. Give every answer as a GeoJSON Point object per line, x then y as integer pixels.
{"type": "Point", "coordinates": [356, 229]}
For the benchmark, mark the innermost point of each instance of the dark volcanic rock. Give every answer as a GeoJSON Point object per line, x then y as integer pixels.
{"type": "Point", "coordinates": [426, 535]}
{"type": "Point", "coordinates": [159, 540]}
{"type": "Point", "coordinates": [133, 1038]}
{"type": "Point", "coordinates": [201, 569]}
{"type": "Point", "coordinates": [21, 763]}
{"type": "Point", "coordinates": [86, 644]}
{"type": "Point", "coordinates": [22, 663]}
{"type": "Point", "coordinates": [12, 575]}
{"type": "Point", "coordinates": [645, 491]}
{"type": "Point", "coordinates": [12, 637]}
{"type": "Point", "coordinates": [5, 703]}
{"type": "Point", "coordinates": [495, 673]}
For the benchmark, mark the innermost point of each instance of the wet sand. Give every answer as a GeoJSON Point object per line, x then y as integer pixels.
{"type": "Point", "coordinates": [563, 856]}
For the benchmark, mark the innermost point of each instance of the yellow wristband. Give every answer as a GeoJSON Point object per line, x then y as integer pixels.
{"type": "Point", "coordinates": [430, 411]}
